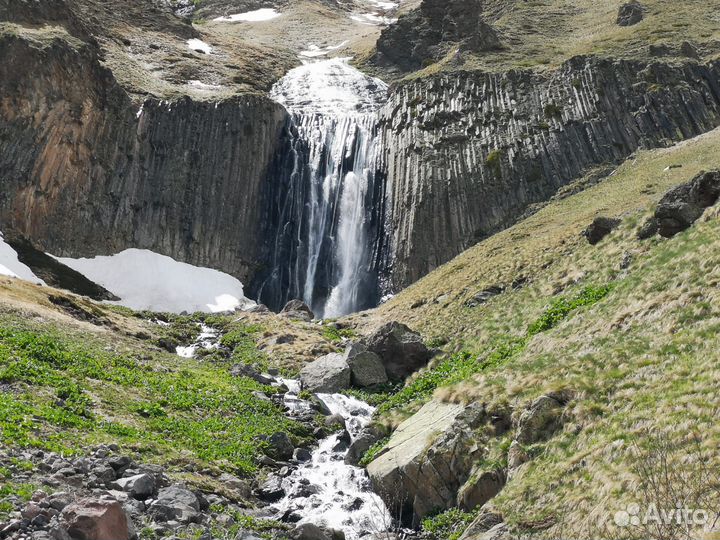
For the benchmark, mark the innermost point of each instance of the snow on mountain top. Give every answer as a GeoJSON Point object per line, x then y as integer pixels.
{"type": "Point", "coordinates": [331, 87]}
{"type": "Point", "coordinates": [12, 267]}
{"type": "Point", "coordinates": [258, 15]}
{"type": "Point", "coordinates": [146, 280]}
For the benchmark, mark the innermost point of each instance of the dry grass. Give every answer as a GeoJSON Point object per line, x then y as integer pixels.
{"type": "Point", "coordinates": [643, 359]}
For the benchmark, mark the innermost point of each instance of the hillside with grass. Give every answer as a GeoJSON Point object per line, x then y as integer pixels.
{"type": "Point", "coordinates": [626, 330]}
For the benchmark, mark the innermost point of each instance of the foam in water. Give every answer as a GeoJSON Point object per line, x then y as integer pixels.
{"type": "Point", "coordinates": [327, 492]}
{"type": "Point", "coordinates": [331, 187]}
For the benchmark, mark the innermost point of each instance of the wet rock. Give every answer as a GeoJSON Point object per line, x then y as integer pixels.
{"type": "Point", "coordinates": [302, 454]}
{"type": "Point", "coordinates": [600, 228]}
{"type": "Point", "coordinates": [280, 446]}
{"type": "Point", "coordinates": [401, 350]}
{"type": "Point", "coordinates": [308, 531]}
{"type": "Point", "coordinates": [175, 503]}
{"type": "Point", "coordinates": [328, 374]}
{"type": "Point", "coordinates": [335, 421]}
{"type": "Point", "coordinates": [368, 437]}
{"type": "Point", "coordinates": [630, 14]}
{"type": "Point", "coordinates": [682, 206]}
{"type": "Point", "coordinates": [540, 420]}
{"type": "Point", "coordinates": [140, 486]}
{"type": "Point", "coordinates": [297, 309]}
{"type": "Point", "coordinates": [271, 490]}
{"type": "Point", "coordinates": [97, 519]}
{"type": "Point", "coordinates": [366, 367]}
{"type": "Point", "coordinates": [244, 370]}
{"type": "Point", "coordinates": [479, 490]}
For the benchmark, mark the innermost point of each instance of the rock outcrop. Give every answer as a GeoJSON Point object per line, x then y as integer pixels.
{"type": "Point", "coordinates": [683, 205]}
{"type": "Point", "coordinates": [600, 228]}
{"type": "Point", "coordinates": [401, 350]}
{"type": "Point", "coordinates": [468, 152]}
{"type": "Point", "coordinates": [183, 178]}
{"type": "Point", "coordinates": [428, 459]}
{"type": "Point", "coordinates": [630, 14]}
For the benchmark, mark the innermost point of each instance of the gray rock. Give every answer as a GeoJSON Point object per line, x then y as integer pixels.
{"type": "Point", "coordinates": [682, 206]}
{"type": "Point", "coordinates": [484, 296]}
{"type": "Point", "coordinates": [600, 228]}
{"type": "Point", "coordinates": [428, 458]}
{"type": "Point", "coordinates": [630, 14]}
{"type": "Point", "coordinates": [485, 521]}
{"type": "Point", "coordinates": [97, 519]}
{"type": "Point", "coordinates": [368, 437]}
{"type": "Point", "coordinates": [244, 370]}
{"type": "Point", "coordinates": [479, 489]}
{"type": "Point", "coordinates": [297, 309]}
{"type": "Point", "coordinates": [328, 374]}
{"type": "Point", "coordinates": [271, 490]}
{"type": "Point", "coordinates": [140, 487]}
{"type": "Point", "coordinates": [516, 455]}
{"type": "Point", "coordinates": [366, 367]}
{"type": "Point", "coordinates": [539, 421]}
{"type": "Point", "coordinates": [401, 350]}
{"type": "Point", "coordinates": [280, 446]}
{"type": "Point", "coordinates": [175, 503]}
{"type": "Point", "coordinates": [308, 531]}
{"type": "Point", "coordinates": [334, 420]}
{"type": "Point", "coordinates": [302, 454]}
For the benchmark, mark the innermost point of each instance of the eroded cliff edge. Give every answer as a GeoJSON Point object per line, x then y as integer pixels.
{"type": "Point", "coordinates": [87, 169]}
{"type": "Point", "coordinates": [467, 153]}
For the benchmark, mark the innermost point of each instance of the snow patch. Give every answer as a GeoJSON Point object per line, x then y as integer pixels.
{"type": "Point", "coordinates": [313, 51]}
{"type": "Point", "coordinates": [258, 15]}
{"type": "Point", "coordinates": [199, 45]}
{"type": "Point", "coordinates": [373, 19]}
{"type": "Point", "coordinates": [147, 280]}
{"type": "Point", "coordinates": [10, 265]}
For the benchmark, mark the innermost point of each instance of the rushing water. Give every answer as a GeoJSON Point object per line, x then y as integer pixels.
{"type": "Point", "coordinates": [324, 245]}
{"type": "Point", "coordinates": [327, 492]}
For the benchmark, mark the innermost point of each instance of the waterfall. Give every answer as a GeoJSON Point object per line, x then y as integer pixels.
{"type": "Point", "coordinates": [327, 227]}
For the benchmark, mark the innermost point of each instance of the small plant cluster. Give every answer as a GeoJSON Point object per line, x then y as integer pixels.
{"type": "Point", "coordinates": [373, 451]}
{"type": "Point", "coordinates": [336, 335]}
{"type": "Point", "coordinates": [448, 525]}
{"type": "Point", "coordinates": [463, 365]}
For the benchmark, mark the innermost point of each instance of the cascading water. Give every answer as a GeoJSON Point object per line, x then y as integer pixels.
{"type": "Point", "coordinates": [327, 226]}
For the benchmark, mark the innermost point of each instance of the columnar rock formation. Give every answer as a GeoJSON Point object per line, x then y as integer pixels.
{"type": "Point", "coordinates": [467, 153]}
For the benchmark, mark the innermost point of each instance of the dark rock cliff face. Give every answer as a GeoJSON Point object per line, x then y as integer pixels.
{"type": "Point", "coordinates": [85, 171]}
{"type": "Point", "coordinates": [466, 153]}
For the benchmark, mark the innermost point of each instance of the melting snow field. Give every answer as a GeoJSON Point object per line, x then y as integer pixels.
{"type": "Point", "coordinates": [12, 267]}
{"type": "Point", "coordinates": [146, 280]}
{"type": "Point", "coordinates": [258, 15]}
{"type": "Point", "coordinates": [199, 45]}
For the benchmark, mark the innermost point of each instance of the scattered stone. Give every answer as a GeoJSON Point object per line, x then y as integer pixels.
{"type": "Point", "coordinates": [140, 486]}
{"type": "Point", "coordinates": [297, 309]}
{"type": "Point", "coordinates": [280, 446]}
{"type": "Point", "coordinates": [366, 367]}
{"type": "Point", "coordinates": [600, 228]}
{"type": "Point", "coordinates": [97, 519]}
{"type": "Point", "coordinates": [484, 296]}
{"type": "Point", "coordinates": [328, 374]}
{"type": "Point", "coordinates": [401, 350]}
{"type": "Point", "coordinates": [271, 490]}
{"type": "Point", "coordinates": [630, 14]}
{"type": "Point", "coordinates": [175, 503]}
{"type": "Point", "coordinates": [302, 454]}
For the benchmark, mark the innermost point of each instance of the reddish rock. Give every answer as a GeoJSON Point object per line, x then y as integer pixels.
{"type": "Point", "coordinates": [95, 519]}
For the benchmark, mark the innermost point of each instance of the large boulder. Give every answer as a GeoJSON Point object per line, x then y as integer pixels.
{"type": "Point", "coordinates": [366, 367]}
{"type": "Point", "coordinates": [280, 446]}
{"type": "Point", "coordinates": [630, 14]}
{"type": "Point", "coordinates": [428, 458]}
{"type": "Point", "coordinates": [480, 488]}
{"type": "Point", "coordinates": [682, 206]}
{"type": "Point", "coordinates": [97, 519]}
{"type": "Point", "coordinates": [175, 503]}
{"type": "Point", "coordinates": [298, 310]}
{"type": "Point", "coordinates": [328, 374]}
{"type": "Point", "coordinates": [140, 486]}
{"type": "Point", "coordinates": [401, 350]}
{"type": "Point", "coordinates": [600, 228]}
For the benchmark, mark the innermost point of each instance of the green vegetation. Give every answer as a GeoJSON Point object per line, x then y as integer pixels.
{"type": "Point", "coordinates": [373, 451]}
{"type": "Point", "coordinates": [463, 365]}
{"type": "Point", "coordinates": [71, 390]}
{"type": "Point", "coordinates": [448, 525]}
{"type": "Point", "coordinates": [553, 110]}
{"type": "Point", "coordinates": [336, 335]}
{"type": "Point", "coordinates": [494, 161]}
